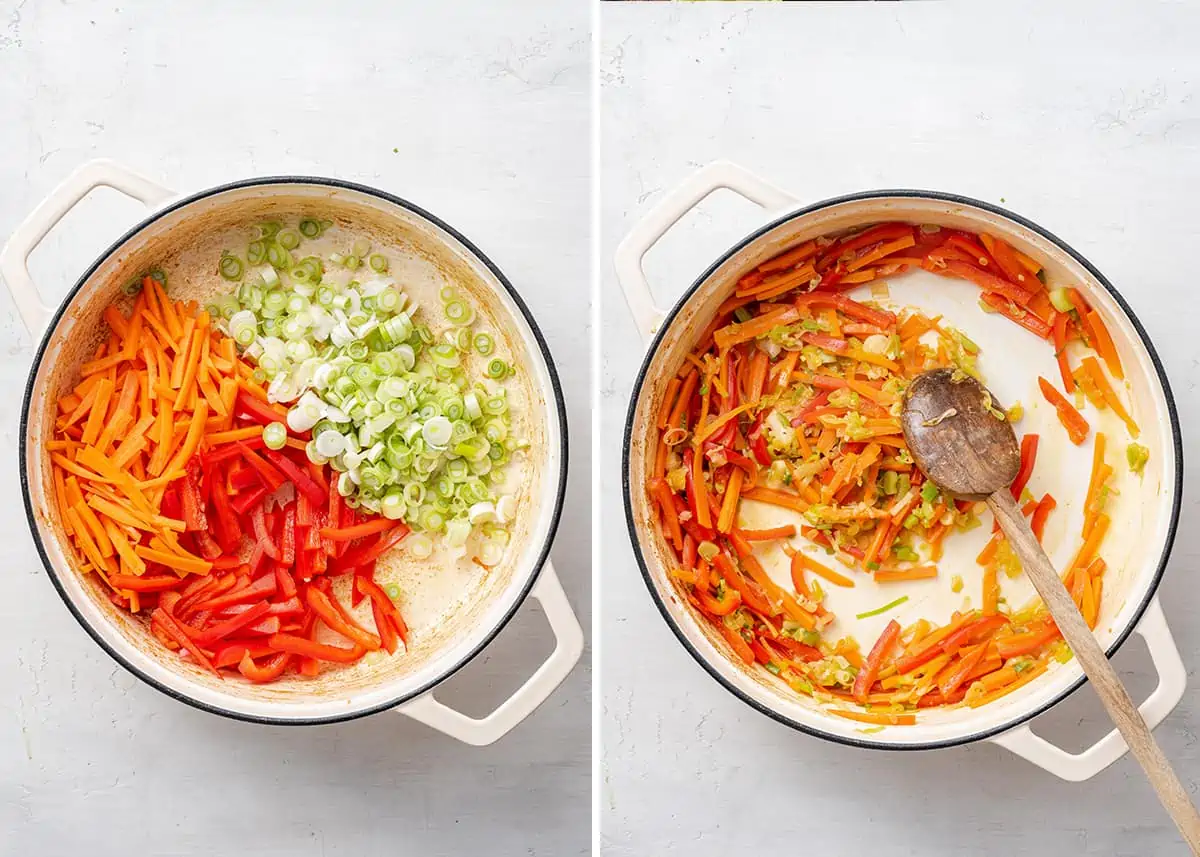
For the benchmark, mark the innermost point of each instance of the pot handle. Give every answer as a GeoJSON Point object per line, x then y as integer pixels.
{"type": "Point", "coordinates": [14, 258]}
{"type": "Point", "coordinates": [568, 647]}
{"type": "Point", "coordinates": [659, 220]}
{"type": "Point", "coordinates": [1077, 767]}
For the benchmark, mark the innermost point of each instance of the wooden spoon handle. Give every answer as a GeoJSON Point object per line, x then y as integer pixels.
{"type": "Point", "coordinates": [1097, 668]}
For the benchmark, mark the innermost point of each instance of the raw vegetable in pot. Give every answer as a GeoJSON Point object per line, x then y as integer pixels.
{"type": "Point", "coordinates": [791, 398]}
{"type": "Point", "coordinates": [415, 423]}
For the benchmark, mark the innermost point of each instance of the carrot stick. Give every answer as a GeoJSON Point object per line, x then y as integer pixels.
{"type": "Point", "coordinates": [824, 571]}
{"type": "Point", "coordinates": [1104, 345]}
{"type": "Point", "coordinates": [1092, 367]}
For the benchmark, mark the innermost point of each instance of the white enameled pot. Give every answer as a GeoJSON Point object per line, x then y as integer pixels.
{"type": "Point", "coordinates": [460, 614]}
{"type": "Point", "coordinates": [1145, 511]}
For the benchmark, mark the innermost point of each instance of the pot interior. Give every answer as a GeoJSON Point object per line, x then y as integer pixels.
{"type": "Point", "coordinates": [452, 605]}
{"type": "Point", "coordinates": [1011, 360]}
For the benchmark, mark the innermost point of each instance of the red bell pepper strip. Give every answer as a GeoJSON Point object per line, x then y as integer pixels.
{"type": "Point", "coordinates": [870, 668]}
{"type": "Point", "coordinates": [981, 626]}
{"type": "Point", "coordinates": [358, 531]}
{"type": "Point", "coordinates": [228, 452]}
{"type": "Point", "coordinates": [988, 282]}
{"type": "Point", "coordinates": [225, 529]}
{"type": "Point", "coordinates": [1038, 522]}
{"type": "Point", "coordinates": [269, 474]}
{"type": "Point", "coordinates": [176, 633]}
{"type": "Point", "coordinates": [189, 499]}
{"type": "Point", "coordinates": [1060, 351]}
{"type": "Point", "coordinates": [317, 472]}
{"type": "Point", "coordinates": [1077, 427]}
{"type": "Point", "coordinates": [262, 533]}
{"type": "Point", "coordinates": [1026, 318]}
{"type": "Point", "coordinates": [311, 649]}
{"type": "Point", "coordinates": [235, 623]}
{"type": "Point", "coordinates": [260, 588]}
{"type": "Point", "coordinates": [274, 608]}
{"type": "Point", "coordinates": [333, 517]}
{"type": "Point", "coordinates": [1029, 447]}
{"type": "Point", "coordinates": [752, 596]}
{"type": "Point", "coordinates": [271, 669]}
{"type": "Point", "coordinates": [386, 606]}
{"type": "Point", "coordinates": [851, 307]}
{"type": "Point", "coordinates": [246, 478]}
{"type": "Point", "coordinates": [826, 342]}
{"type": "Point", "coordinates": [300, 479]}
{"type": "Point", "coordinates": [244, 502]}
{"type": "Point", "coordinates": [369, 553]}
{"type": "Point", "coordinates": [229, 654]}
{"type": "Point", "coordinates": [283, 577]}
{"type": "Point", "coordinates": [956, 678]}
{"type": "Point", "coordinates": [267, 626]}
{"type": "Point", "coordinates": [259, 411]}
{"type": "Point", "coordinates": [330, 612]}
{"type": "Point", "coordinates": [387, 634]}
{"type": "Point", "coordinates": [287, 538]}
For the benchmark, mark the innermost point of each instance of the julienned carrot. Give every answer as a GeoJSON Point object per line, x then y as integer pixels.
{"type": "Point", "coordinates": [776, 498]}
{"type": "Point", "coordinates": [870, 669]}
{"type": "Point", "coordinates": [919, 572]}
{"type": "Point", "coordinates": [733, 490]}
{"type": "Point", "coordinates": [1077, 427]}
{"type": "Point", "coordinates": [784, 532]}
{"type": "Point", "coordinates": [881, 718]}
{"type": "Point", "coordinates": [1092, 367]}
{"type": "Point", "coordinates": [1104, 346]}
{"type": "Point", "coordinates": [358, 531]}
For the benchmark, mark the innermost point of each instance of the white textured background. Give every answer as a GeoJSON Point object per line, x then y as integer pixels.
{"type": "Point", "coordinates": [487, 107]}
{"type": "Point", "coordinates": [1082, 116]}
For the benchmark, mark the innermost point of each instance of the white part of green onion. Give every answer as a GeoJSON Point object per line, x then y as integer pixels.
{"type": "Point", "coordinates": [275, 435]}
{"type": "Point", "coordinates": [419, 545]}
{"type": "Point", "coordinates": [436, 432]}
{"type": "Point", "coordinates": [506, 508]}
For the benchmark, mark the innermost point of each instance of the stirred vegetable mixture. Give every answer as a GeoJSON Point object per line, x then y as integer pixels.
{"type": "Point", "coordinates": [217, 469]}
{"type": "Point", "coordinates": [791, 398]}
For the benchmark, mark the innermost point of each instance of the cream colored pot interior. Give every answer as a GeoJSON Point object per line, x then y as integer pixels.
{"type": "Point", "coordinates": [1011, 360]}
{"type": "Point", "coordinates": [452, 606]}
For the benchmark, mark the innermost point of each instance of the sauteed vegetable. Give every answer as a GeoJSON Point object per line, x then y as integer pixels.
{"type": "Point", "coordinates": [791, 398]}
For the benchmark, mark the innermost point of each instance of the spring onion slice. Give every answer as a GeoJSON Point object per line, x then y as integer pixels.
{"type": "Point", "coordinates": [406, 407]}
{"type": "Point", "coordinates": [885, 608]}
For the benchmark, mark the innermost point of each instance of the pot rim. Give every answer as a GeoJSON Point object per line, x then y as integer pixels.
{"type": "Point", "coordinates": [939, 196]}
{"type": "Point", "coordinates": [559, 408]}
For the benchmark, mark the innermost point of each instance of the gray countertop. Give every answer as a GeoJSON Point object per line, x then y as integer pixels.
{"type": "Point", "coordinates": [1084, 117]}
{"type": "Point", "coordinates": [478, 112]}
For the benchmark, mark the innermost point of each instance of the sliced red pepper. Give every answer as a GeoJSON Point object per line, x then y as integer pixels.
{"type": "Point", "coordinates": [1029, 447]}
{"type": "Point", "coordinates": [259, 411]}
{"type": "Point", "coordinates": [300, 479]}
{"type": "Point", "coordinates": [228, 451]}
{"type": "Point", "coordinates": [1060, 351]}
{"type": "Point", "coordinates": [176, 633]}
{"type": "Point", "coordinates": [311, 649]}
{"type": "Point", "coordinates": [270, 474]}
{"type": "Point", "coordinates": [260, 588]}
{"type": "Point", "coordinates": [1077, 427]}
{"type": "Point", "coordinates": [358, 531]}
{"type": "Point", "coordinates": [287, 539]}
{"type": "Point", "coordinates": [229, 654]}
{"type": "Point", "coordinates": [269, 625]}
{"type": "Point", "coordinates": [283, 577]}
{"type": "Point", "coordinates": [225, 529]}
{"type": "Point", "coordinates": [387, 634]}
{"type": "Point", "coordinates": [828, 343]}
{"type": "Point", "coordinates": [369, 553]}
{"type": "Point", "coordinates": [235, 623]}
{"type": "Point", "coordinates": [386, 605]}
{"type": "Point", "coordinates": [262, 533]}
{"type": "Point", "coordinates": [1040, 515]}
{"type": "Point", "coordinates": [1024, 317]}
{"type": "Point", "coordinates": [245, 502]}
{"type": "Point", "coordinates": [981, 626]}
{"type": "Point", "coordinates": [192, 506]}
{"type": "Point", "coordinates": [271, 669]}
{"type": "Point", "coordinates": [246, 478]}
{"type": "Point", "coordinates": [337, 619]}
{"type": "Point", "coordinates": [332, 517]}
{"type": "Point", "coordinates": [988, 282]}
{"type": "Point", "coordinates": [854, 309]}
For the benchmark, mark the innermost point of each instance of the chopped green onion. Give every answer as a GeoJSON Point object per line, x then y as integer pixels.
{"type": "Point", "coordinates": [1137, 456]}
{"type": "Point", "coordinates": [497, 369]}
{"type": "Point", "coordinates": [159, 277]}
{"type": "Point", "coordinates": [310, 228]}
{"type": "Point", "coordinates": [268, 230]}
{"type": "Point", "coordinates": [459, 314]}
{"type": "Point", "coordinates": [378, 263]}
{"type": "Point", "coordinates": [929, 492]}
{"type": "Point", "coordinates": [275, 435]}
{"type": "Point", "coordinates": [1060, 299]}
{"type": "Point", "coordinates": [393, 591]}
{"type": "Point", "coordinates": [132, 287]}
{"type": "Point", "coordinates": [278, 257]}
{"type": "Point", "coordinates": [886, 607]}
{"type": "Point", "coordinates": [484, 344]}
{"type": "Point", "coordinates": [288, 239]}
{"type": "Point", "coordinates": [230, 267]}
{"type": "Point", "coordinates": [256, 252]}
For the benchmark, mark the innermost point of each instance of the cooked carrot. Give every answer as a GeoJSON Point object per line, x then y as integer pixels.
{"type": "Point", "coordinates": [1092, 367]}
{"type": "Point", "coordinates": [882, 718]}
{"type": "Point", "coordinates": [784, 532]}
{"type": "Point", "coordinates": [1104, 345]}
{"type": "Point", "coordinates": [893, 575]}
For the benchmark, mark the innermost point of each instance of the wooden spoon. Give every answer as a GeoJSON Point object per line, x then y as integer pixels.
{"type": "Point", "coordinates": [958, 437]}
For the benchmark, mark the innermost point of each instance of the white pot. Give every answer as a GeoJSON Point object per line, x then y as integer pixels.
{"type": "Point", "coordinates": [1146, 512]}
{"type": "Point", "coordinates": [426, 248]}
